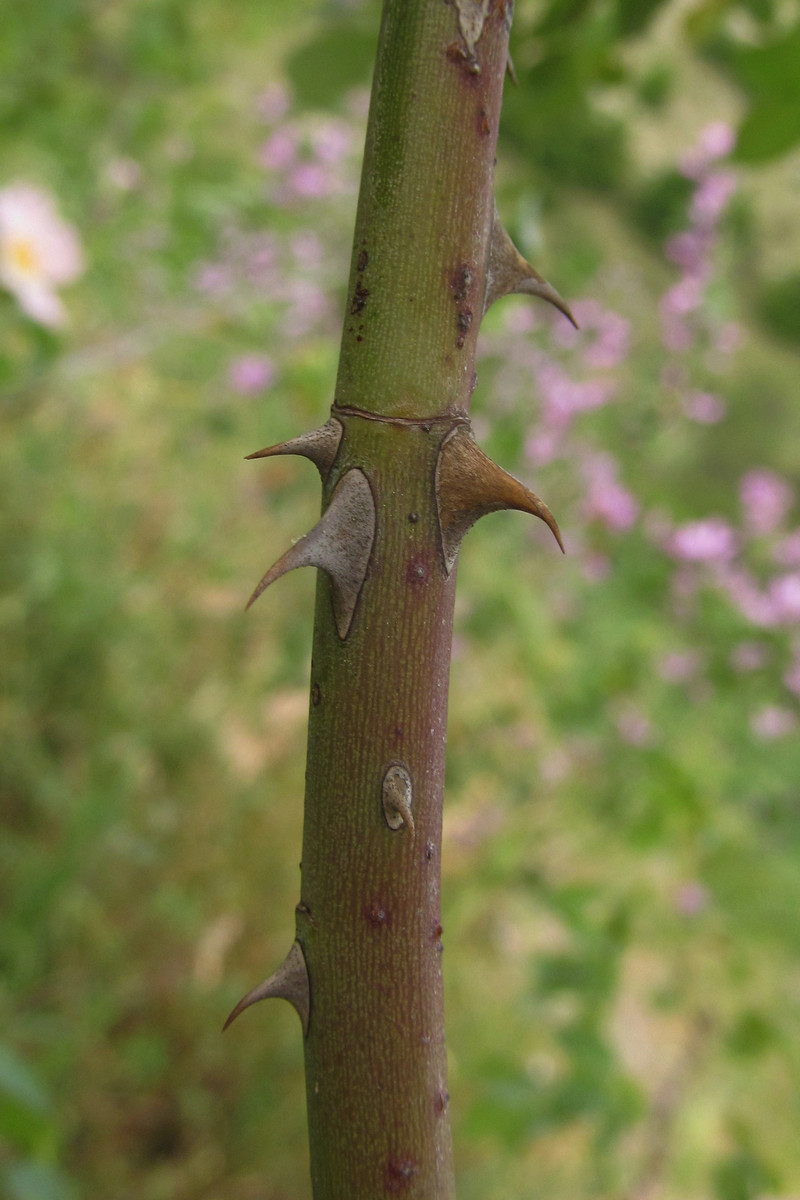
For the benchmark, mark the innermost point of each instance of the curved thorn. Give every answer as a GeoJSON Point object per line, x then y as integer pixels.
{"type": "Point", "coordinates": [512, 74]}
{"type": "Point", "coordinates": [469, 485]}
{"type": "Point", "coordinates": [321, 446]}
{"type": "Point", "coordinates": [340, 544]}
{"type": "Point", "coordinates": [290, 982]}
{"type": "Point", "coordinates": [508, 273]}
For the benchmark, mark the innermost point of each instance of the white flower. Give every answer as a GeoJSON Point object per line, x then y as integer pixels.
{"type": "Point", "coordinates": [38, 252]}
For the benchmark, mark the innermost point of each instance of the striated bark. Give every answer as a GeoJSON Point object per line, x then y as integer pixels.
{"type": "Point", "coordinates": [403, 481]}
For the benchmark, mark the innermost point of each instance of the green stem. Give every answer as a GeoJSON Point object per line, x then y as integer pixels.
{"type": "Point", "coordinates": [369, 918]}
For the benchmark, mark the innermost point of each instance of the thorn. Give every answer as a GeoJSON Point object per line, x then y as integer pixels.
{"type": "Point", "coordinates": [340, 544]}
{"type": "Point", "coordinates": [290, 982]}
{"type": "Point", "coordinates": [321, 446]}
{"type": "Point", "coordinates": [508, 273]}
{"type": "Point", "coordinates": [512, 74]}
{"type": "Point", "coordinates": [469, 485]}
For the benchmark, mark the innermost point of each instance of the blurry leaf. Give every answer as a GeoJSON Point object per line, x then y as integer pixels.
{"type": "Point", "coordinates": [508, 1106]}
{"type": "Point", "coordinates": [635, 15]}
{"type": "Point", "coordinates": [703, 21]}
{"type": "Point", "coordinates": [752, 1034]}
{"type": "Point", "coordinates": [661, 205]}
{"type": "Point", "coordinates": [772, 70]}
{"type": "Point", "coordinates": [741, 1177]}
{"type": "Point", "coordinates": [336, 59]}
{"type": "Point", "coordinates": [36, 1181]}
{"type": "Point", "coordinates": [18, 1083]}
{"type": "Point", "coordinates": [654, 88]}
{"type": "Point", "coordinates": [779, 307]}
{"type": "Point", "coordinates": [769, 129]}
{"type": "Point", "coordinates": [561, 13]}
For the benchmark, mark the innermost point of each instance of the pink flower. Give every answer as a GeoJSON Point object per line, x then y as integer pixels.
{"type": "Point", "coordinates": [278, 152]}
{"type": "Point", "coordinates": [787, 551]}
{"type": "Point", "coordinates": [688, 250]}
{"type": "Point", "coordinates": [684, 297]}
{"type": "Point", "coordinates": [772, 722]}
{"type": "Point", "coordinates": [766, 498]}
{"type": "Point", "coordinates": [606, 499]}
{"type": "Point", "coordinates": [251, 373]}
{"type": "Point", "coordinates": [679, 666]}
{"type": "Point", "coordinates": [543, 447]}
{"type": "Point", "coordinates": [213, 279]}
{"type": "Point", "coordinates": [784, 593]}
{"type": "Point", "coordinates": [708, 540]}
{"type": "Point", "coordinates": [38, 252]}
{"type": "Point", "coordinates": [716, 141]}
{"type": "Point", "coordinates": [634, 727]}
{"type": "Point", "coordinates": [711, 197]}
{"type": "Point", "coordinates": [756, 606]}
{"type": "Point", "coordinates": [563, 397]}
{"type": "Point", "coordinates": [310, 180]}
{"type": "Point", "coordinates": [690, 899]}
{"type": "Point", "coordinates": [704, 407]}
{"type": "Point", "coordinates": [604, 334]}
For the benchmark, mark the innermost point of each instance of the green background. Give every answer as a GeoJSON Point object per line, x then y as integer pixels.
{"type": "Point", "coordinates": [621, 885]}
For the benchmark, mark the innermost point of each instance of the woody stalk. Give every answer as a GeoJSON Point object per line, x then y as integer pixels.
{"type": "Point", "coordinates": [402, 482]}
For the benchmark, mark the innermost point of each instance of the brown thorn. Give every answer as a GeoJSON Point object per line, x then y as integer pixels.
{"type": "Point", "coordinates": [289, 982]}
{"type": "Point", "coordinates": [321, 446]}
{"type": "Point", "coordinates": [340, 544]}
{"type": "Point", "coordinates": [512, 74]}
{"type": "Point", "coordinates": [509, 274]}
{"type": "Point", "coordinates": [469, 485]}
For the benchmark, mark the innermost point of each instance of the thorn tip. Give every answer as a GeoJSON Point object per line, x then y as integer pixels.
{"type": "Point", "coordinates": [290, 982]}
{"type": "Point", "coordinates": [340, 544]}
{"type": "Point", "coordinates": [320, 446]}
{"type": "Point", "coordinates": [509, 274]}
{"type": "Point", "coordinates": [469, 485]}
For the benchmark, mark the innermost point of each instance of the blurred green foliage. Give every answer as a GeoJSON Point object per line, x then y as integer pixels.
{"type": "Point", "coordinates": [621, 854]}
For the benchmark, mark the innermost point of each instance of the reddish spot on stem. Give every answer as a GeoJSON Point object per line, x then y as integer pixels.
{"type": "Point", "coordinates": [416, 572]}
{"type": "Point", "coordinates": [376, 914]}
{"type": "Point", "coordinates": [399, 1174]}
{"type": "Point", "coordinates": [484, 127]}
{"type": "Point", "coordinates": [461, 281]}
{"type": "Point", "coordinates": [363, 260]}
{"type": "Point", "coordinates": [442, 1100]}
{"type": "Point", "coordinates": [359, 299]}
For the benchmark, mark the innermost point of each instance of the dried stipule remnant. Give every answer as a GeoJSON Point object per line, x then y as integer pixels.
{"type": "Point", "coordinates": [396, 797]}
